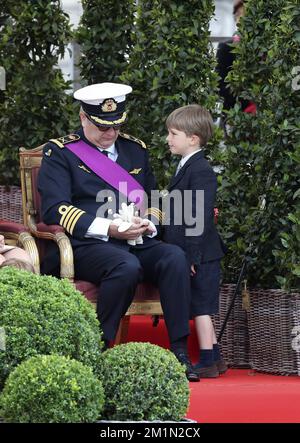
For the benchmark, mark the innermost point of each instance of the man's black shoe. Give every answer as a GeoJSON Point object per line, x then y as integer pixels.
{"type": "Point", "coordinates": [105, 345]}
{"type": "Point", "coordinates": [183, 358]}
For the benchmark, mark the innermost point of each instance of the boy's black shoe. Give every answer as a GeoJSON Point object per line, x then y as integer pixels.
{"type": "Point", "coordinates": [183, 358]}
{"type": "Point", "coordinates": [221, 365]}
{"type": "Point", "coordinates": [207, 371]}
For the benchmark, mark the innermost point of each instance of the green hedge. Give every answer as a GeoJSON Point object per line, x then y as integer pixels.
{"type": "Point", "coordinates": [160, 47]}
{"type": "Point", "coordinates": [34, 107]}
{"type": "Point", "coordinates": [171, 65]}
{"type": "Point", "coordinates": [105, 38]}
{"type": "Point", "coordinates": [260, 185]}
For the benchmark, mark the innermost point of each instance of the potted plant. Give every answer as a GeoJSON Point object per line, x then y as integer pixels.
{"type": "Point", "coordinates": [44, 315]}
{"type": "Point", "coordinates": [143, 382]}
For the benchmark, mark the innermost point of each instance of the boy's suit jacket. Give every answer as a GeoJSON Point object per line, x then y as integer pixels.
{"type": "Point", "coordinates": [196, 174]}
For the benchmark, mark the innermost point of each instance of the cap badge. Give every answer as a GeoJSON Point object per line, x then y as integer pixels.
{"type": "Point", "coordinates": [109, 105]}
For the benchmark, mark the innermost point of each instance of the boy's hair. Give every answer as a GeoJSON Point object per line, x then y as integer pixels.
{"type": "Point", "coordinates": [19, 264]}
{"type": "Point", "coordinates": [193, 120]}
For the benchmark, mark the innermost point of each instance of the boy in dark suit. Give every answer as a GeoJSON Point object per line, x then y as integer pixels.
{"type": "Point", "coordinates": [190, 224]}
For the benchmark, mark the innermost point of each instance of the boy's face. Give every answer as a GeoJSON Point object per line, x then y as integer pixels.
{"type": "Point", "coordinates": [180, 143]}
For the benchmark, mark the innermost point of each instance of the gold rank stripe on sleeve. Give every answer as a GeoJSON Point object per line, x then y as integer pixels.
{"type": "Point", "coordinates": [157, 213]}
{"type": "Point", "coordinates": [70, 216]}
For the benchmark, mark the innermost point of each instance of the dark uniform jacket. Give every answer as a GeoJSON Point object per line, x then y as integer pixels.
{"type": "Point", "coordinates": [69, 189]}
{"type": "Point", "coordinates": [196, 174]}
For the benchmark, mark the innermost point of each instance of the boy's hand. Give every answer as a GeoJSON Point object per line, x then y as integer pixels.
{"type": "Point", "coordinates": [193, 270]}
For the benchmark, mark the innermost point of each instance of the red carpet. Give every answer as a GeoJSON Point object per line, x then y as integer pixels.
{"type": "Point", "coordinates": [239, 396]}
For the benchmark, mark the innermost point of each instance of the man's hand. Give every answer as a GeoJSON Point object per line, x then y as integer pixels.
{"type": "Point", "coordinates": [145, 222]}
{"type": "Point", "coordinates": [193, 270]}
{"type": "Point", "coordinates": [137, 229]}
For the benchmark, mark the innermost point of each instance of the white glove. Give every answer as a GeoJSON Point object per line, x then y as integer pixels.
{"type": "Point", "coordinates": [123, 220]}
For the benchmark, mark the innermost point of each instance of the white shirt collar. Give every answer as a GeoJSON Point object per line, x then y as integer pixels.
{"type": "Point", "coordinates": [185, 159]}
{"type": "Point", "coordinates": [112, 152]}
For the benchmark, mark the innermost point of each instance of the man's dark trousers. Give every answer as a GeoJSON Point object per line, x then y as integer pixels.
{"type": "Point", "coordinates": [118, 270]}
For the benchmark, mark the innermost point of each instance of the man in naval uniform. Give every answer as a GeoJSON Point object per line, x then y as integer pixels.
{"type": "Point", "coordinates": [92, 162]}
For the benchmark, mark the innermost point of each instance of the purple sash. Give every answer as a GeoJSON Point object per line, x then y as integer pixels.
{"type": "Point", "coordinates": [109, 171]}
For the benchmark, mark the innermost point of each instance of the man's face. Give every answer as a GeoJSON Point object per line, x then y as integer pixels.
{"type": "Point", "coordinates": [100, 137]}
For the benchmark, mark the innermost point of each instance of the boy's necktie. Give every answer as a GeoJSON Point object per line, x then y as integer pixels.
{"type": "Point", "coordinates": [178, 168]}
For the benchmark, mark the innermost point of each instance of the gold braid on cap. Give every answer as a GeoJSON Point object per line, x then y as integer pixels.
{"type": "Point", "coordinates": [108, 123]}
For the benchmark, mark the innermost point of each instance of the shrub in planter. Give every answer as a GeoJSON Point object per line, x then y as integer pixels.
{"type": "Point", "coordinates": [51, 389]}
{"type": "Point", "coordinates": [143, 382]}
{"type": "Point", "coordinates": [44, 315]}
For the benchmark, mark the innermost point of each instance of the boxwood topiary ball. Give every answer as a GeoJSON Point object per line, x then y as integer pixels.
{"type": "Point", "coordinates": [44, 315]}
{"type": "Point", "coordinates": [51, 389]}
{"type": "Point", "coordinates": [143, 382]}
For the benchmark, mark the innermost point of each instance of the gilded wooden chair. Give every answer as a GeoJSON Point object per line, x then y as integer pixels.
{"type": "Point", "coordinates": [146, 300]}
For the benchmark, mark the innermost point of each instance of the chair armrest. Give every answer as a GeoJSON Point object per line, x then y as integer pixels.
{"type": "Point", "coordinates": [57, 234]}
{"type": "Point", "coordinates": [27, 242]}
{"type": "Point", "coordinates": [42, 228]}
{"type": "Point", "coordinates": [22, 237]}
